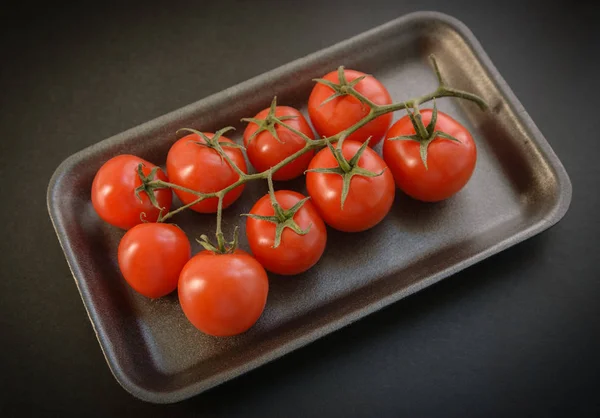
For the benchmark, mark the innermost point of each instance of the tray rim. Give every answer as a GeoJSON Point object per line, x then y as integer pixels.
{"type": "Point", "coordinates": [559, 209]}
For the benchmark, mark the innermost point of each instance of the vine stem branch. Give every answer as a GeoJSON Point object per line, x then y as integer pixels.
{"type": "Point", "coordinates": [219, 232]}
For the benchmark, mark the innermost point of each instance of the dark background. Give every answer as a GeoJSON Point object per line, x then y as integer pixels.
{"type": "Point", "coordinates": [516, 335]}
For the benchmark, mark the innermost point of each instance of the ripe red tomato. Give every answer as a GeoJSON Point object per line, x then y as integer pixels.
{"type": "Point", "coordinates": [113, 192]}
{"type": "Point", "coordinates": [201, 168]}
{"type": "Point", "coordinates": [369, 198]}
{"type": "Point", "coordinates": [223, 294]}
{"type": "Point", "coordinates": [264, 151]}
{"type": "Point", "coordinates": [295, 253]}
{"type": "Point", "coordinates": [450, 164]}
{"type": "Point", "coordinates": [151, 256]}
{"type": "Point", "coordinates": [345, 111]}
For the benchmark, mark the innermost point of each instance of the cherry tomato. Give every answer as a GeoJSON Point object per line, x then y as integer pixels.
{"type": "Point", "coordinates": [369, 198]}
{"type": "Point", "coordinates": [345, 111]}
{"type": "Point", "coordinates": [151, 256]}
{"type": "Point", "coordinates": [295, 253]}
{"type": "Point", "coordinates": [223, 294]}
{"type": "Point", "coordinates": [450, 164]}
{"type": "Point", "coordinates": [113, 192]}
{"type": "Point", "coordinates": [264, 151]}
{"type": "Point", "coordinates": [201, 168]}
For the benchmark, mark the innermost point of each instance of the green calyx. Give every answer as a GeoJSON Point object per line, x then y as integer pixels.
{"type": "Point", "coordinates": [148, 186]}
{"type": "Point", "coordinates": [215, 142]}
{"type": "Point", "coordinates": [222, 247]}
{"type": "Point", "coordinates": [268, 124]}
{"type": "Point", "coordinates": [424, 135]}
{"type": "Point", "coordinates": [217, 145]}
{"type": "Point", "coordinates": [346, 168]}
{"type": "Point", "coordinates": [282, 218]}
{"type": "Point", "coordinates": [344, 88]}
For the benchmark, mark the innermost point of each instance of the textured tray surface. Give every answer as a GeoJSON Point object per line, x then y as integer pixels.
{"type": "Point", "coordinates": [519, 189]}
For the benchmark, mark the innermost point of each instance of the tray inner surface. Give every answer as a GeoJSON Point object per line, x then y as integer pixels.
{"type": "Point", "coordinates": [513, 189]}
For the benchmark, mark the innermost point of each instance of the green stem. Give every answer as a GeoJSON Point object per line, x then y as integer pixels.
{"type": "Point", "coordinates": [373, 113]}
{"type": "Point", "coordinates": [438, 93]}
{"type": "Point", "coordinates": [219, 233]}
{"type": "Point", "coordinates": [307, 148]}
{"type": "Point", "coordinates": [294, 130]}
{"type": "Point", "coordinates": [450, 92]}
{"type": "Point", "coordinates": [180, 209]}
{"type": "Point", "coordinates": [255, 176]}
{"type": "Point", "coordinates": [361, 98]}
{"type": "Point", "coordinates": [233, 165]}
{"type": "Point", "coordinates": [176, 186]}
{"type": "Point", "coordinates": [276, 207]}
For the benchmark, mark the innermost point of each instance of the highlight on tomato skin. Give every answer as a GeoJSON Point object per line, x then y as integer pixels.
{"type": "Point", "coordinates": [296, 253]}
{"type": "Point", "coordinates": [151, 257]}
{"type": "Point", "coordinates": [201, 168]}
{"type": "Point", "coordinates": [113, 192]}
{"type": "Point", "coordinates": [345, 111]}
{"type": "Point", "coordinates": [223, 294]}
{"type": "Point", "coordinates": [450, 164]}
{"type": "Point", "coordinates": [265, 151]}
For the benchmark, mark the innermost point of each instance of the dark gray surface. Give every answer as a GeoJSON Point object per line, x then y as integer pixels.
{"type": "Point", "coordinates": [519, 189]}
{"type": "Point", "coordinates": [517, 334]}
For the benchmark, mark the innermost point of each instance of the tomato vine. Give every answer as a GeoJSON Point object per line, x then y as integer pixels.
{"type": "Point", "coordinates": [347, 168]}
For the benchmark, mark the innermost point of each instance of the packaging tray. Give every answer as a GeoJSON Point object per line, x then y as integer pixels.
{"type": "Point", "coordinates": [519, 188]}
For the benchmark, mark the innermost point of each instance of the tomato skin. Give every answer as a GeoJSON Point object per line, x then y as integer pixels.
{"type": "Point", "coordinates": [223, 294]}
{"type": "Point", "coordinates": [200, 168]}
{"type": "Point", "coordinates": [295, 253]}
{"type": "Point", "coordinates": [450, 164]}
{"type": "Point", "coordinates": [264, 151]}
{"type": "Point", "coordinates": [345, 111]}
{"type": "Point", "coordinates": [151, 256]}
{"type": "Point", "coordinates": [369, 199]}
{"type": "Point", "coordinates": [113, 192]}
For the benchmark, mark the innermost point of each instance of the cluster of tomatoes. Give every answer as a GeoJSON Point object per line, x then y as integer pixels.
{"type": "Point", "coordinates": [223, 290]}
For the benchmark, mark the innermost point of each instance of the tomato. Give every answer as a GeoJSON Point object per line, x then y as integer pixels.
{"type": "Point", "coordinates": [295, 253]}
{"type": "Point", "coordinates": [369, 198]}
{"type": "Point", "coordinates": [264, 150]}
{"type": "Point", "coordinates": [199, 167]}
{"type": "Point", "coordinates": [345, 111]}
{"type": "Point", "coordinates": [450, 164]}
{"type": "Point", "coordinates": [113, 192]}
{"type": "Point", "coordinates": [223, 294]}
{"type": "Point", "coordinates": [151, 256]}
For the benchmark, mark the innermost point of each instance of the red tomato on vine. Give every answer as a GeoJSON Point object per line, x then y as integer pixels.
{"type": "Point", "coordinates": [151, 256]}
{"type": "Point", "coordinates": [434, 169]}
{"type": "Point", "coordinates": [332, 112]}
{"type": "Point", "coordinates": [268, 142]}
{"type": "Point", "coordinates": [300, 242]}
{"type": "Point", "coordinates": [370, 187]}
{"type": "Point", "coordinates": [114, 197]}
{"type": "Point", "coordinates": [193, 163]}
{"type": "Point", "coordinates": [223, 294]}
